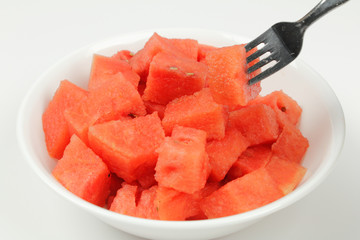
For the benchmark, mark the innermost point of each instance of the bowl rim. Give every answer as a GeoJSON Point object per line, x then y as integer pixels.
{"type": "Point", "coordinates": [338, 127]}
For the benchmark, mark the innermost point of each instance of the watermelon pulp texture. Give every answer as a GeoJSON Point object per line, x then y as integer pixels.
{"type": "Point", "coordinates": [173, 132]}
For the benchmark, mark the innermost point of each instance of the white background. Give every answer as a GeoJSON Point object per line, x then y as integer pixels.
{"type": "Point", "coordinates": [36, 34]}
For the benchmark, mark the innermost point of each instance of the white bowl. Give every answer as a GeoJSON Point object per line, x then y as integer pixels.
{"type": "Point", "coordinates": [322, 122]}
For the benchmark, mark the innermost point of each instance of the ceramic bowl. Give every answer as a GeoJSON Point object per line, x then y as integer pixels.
{"type": "Point", "coordinates": [322, 122]}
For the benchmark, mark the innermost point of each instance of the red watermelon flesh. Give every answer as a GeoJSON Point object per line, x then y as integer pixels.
{"type": "Point", "coordinates": [115, 183]}
{"type": "Point", "coordinates": [155, 107]}
{"type": "Point", "coordinates": [196, 111]}
{"type": "Point", "coordinates": [172, 204]}
{"type": "Point", "coordinates": [286, 174]}
{"type": "Point", "coordinates": [83, 173]}
{"type": "Point", "coordinates": [187, 47]}
{"type": "Point", "coordinates": [127, 146]}
{"type": "Point", "coordinates": [140, 62]}
{"type": "Point", "coordinates": [103, 66]}
{"type": "Point", "coordinates": [114, 100]}
{"type": "Point", "coordinates": [55, 128]}
{"type": "Point", "coordinates": [195, 212]}
{"type": "Point", "coordinates": [286, 108]}
{"type": "Point", "coordinates": [146, 207]}
{"type": "Point", "coordinates": [203, 49]}
{"type": "Point", "coordinates": [251, 159]}
{"type": "Point", "coordinates": [125, 200]}
{"type": "Point", "coordinates": [256, 122]}
{"type": "Point", "coordinates": [147, 179]}
{"type": "Point", "coordinates": [223, 153]}
{"type": "Point", "coordinates": [243, 194]}
{"type": "Point", "coordinates": [123, 55]}
{"type": "Point", "coordinates": [227, 77]}
{"type": "Point", "coordinates": [171, 77]}
{"type": "Point", "coordinates": [291, 144]}
{"type": "Point", "coordinates": [183, 163]}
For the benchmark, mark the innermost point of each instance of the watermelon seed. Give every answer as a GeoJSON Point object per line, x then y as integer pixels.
{"type": "Point", "coordinates": [132, 115]}
{"type": "Point", "coordinates": [173, 68]}
{"type": "Point", "coordinates": [283, 109]}
{"type": "Point", "coordinates": [190, 74]}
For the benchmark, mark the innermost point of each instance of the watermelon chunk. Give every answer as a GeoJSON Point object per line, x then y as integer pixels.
{"type": "Point", "coordinates": [286, 174]}
{"type": "Point", "coordinates": [256, 122]}
{"type": "Point", "coordinates": [196, 111]}
{"type": "Point", "coordinates": [172, 204]}
{"type": "Point", "coordinates": [125, 200]}
{"type": "Point", "coordinates": [83, 173]}
{"type": "Point", "coordinates": [243, 194]}
{"type": "Point", "coordinates": [140, 62]}
{"type": "Point", "coordinates": [128, 146]}
{"type": "Point", "coordinates": [103, 67]}
{"type": "Point", "coordinates": [224, 152]}
{"type": "Point", "coordinates": [171, 77]}
{"type": "Point", "coordinates": [146, 207]}
{"type": "Point", "coordinates": [55, 128]}
{"type": "Point", "coordinates": [286, 108]}
{"type": "Point", "coordinates": [291, 144]}
{"type": "Point", "coordinates": [114, 100]}
{"type": "Point", "coordinates": [183, 163]}
{"type": "Point", "coordinates": [251, 159]}
{"type": "Point", "coordinates": [227, 77]}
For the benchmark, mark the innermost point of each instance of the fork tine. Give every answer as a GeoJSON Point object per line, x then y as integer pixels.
{"type": "Point", "coordinates": [258, 53]}
{"type": "Point", "coordinates": [260, 39]}
{"type": "Point", "coordinates": [267, 72]}
{"type": "Point", "coordinates": [261, 63]}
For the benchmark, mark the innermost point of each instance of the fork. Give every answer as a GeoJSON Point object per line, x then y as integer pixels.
{"type": "Point", "coordinates": [283, 41]}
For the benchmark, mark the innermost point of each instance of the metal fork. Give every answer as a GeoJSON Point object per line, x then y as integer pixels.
{"type": "Point", "coordinates": [283, 41]}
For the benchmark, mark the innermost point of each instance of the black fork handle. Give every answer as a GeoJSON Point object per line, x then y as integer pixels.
{"type": "Point", "coordinates": [323, 7]}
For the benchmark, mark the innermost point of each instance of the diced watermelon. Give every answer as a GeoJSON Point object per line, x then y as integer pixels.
{"type": "Point", "coordinates": [127, 146]}
{"type": "Point", "coordinates": [171, 77]}
{"type": "Point", "coordinates": [243, 194]}
{"type": "Point", "coordinates": [286, 108]}
{"type": "Point", "coordinates": [172, 204]}
{"type": "Point", "coordinates": [83, 173]}
{"type": "Point", "coordinates": [183, 163]}
{"type": "Point", "coordinates": [286, 174]}
{"type": "Point", "coordinates": [125, 200]}
{"type": "Point", "coordinates": [227, 77]}
{"type": "Point", "coordinates": [123, 55]}
{"type": "Point", "coordinates": [140, 62]}
{"type": "Point", "coordinates": [291, 144]}
{"type": "Point", "coordinates": [224, 152]}
{"type": "Point", "coordinates": [55, 128]}
{"type": "Point", "coordinates": [196, 111]}
{"type": "Point", "coordinates": [103, 66]}
{"type": "Point", "coordinates": [251, 159]}
{"type": "Point", "coordinates": [256, 122]}
{"type": "Point", "coordinates": [146, 207]}
{"type": "Point", "coordinates": [114, 100]}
